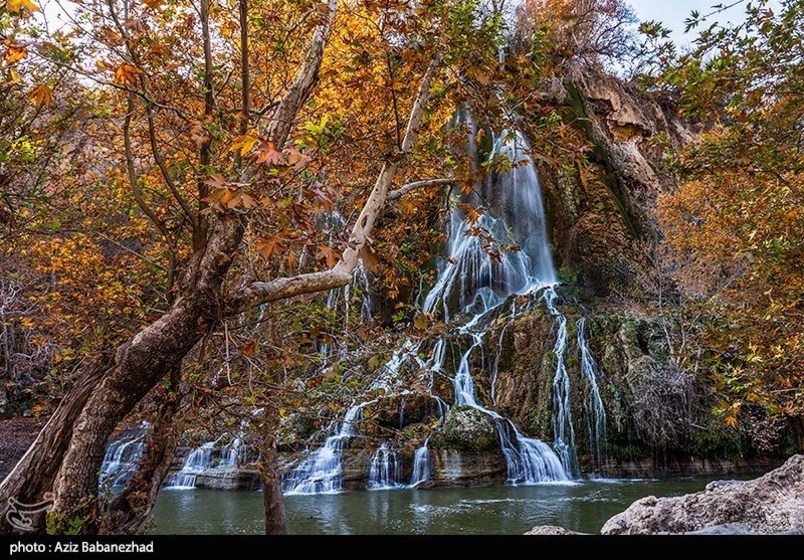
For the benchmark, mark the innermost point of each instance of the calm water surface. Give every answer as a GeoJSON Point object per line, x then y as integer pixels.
{"type": "Point", "coordinates": [583, 507]}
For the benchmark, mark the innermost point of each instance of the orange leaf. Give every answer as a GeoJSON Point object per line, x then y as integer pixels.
{"type": "Point", "coordinates": [19, 5]}
{"type": "Point", "coordinates": [127, 73]}
{"type": "Point", "coordinates": [15, 51]}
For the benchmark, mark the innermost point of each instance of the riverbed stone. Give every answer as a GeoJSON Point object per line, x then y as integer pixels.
{"type": "Point", "coordinates": [771, 504]}
{"type": "Point", "coordinates": [551, 530]}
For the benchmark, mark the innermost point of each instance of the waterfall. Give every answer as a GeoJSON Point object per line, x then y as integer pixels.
{"type": "Point", "coordinates": [477, 279]}
{"type": "Point", "coordinates": [596, 412]}
{"type": "Point", "coordinates": [386, 470]}
{"type": "Point", "coordinates": [421, 465]}
{"type": "Point", "coordinates": [360, 280]}
{"type": "Point", "coordinates": [198, 461]}
{"type": "Point", "coordinates": [501, 251]}
{"type": "Point", "coordinates": [122, 457]}
{"type": "Point", "coordinates": [320, 473]}
{"type": "Point", "coordinates": [563, 432]}
{"type": "Point", "coordinates": [233, 453]}
{"type": "Point", "coordinates": [528, 460]}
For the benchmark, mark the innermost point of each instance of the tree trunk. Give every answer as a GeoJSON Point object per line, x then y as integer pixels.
{"type": "Point", "coordinates": [34, 474]}
{"type": "Point", "coordinates": [74, 441]}
{"type": "Point", "coordinates": [275, 522]}
{"type": "Point", "coordinates": [139, 365]}
{"type": "Point", "coordinates": [131, 507]}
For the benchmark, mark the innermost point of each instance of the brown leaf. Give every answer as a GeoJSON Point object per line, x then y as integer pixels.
{"type": "Point", "coordinates": [328, 255]}
{"type": "Point", "coordinates": [248, 348]}
{"type": "Point", "coordinates": [268, 154]}
{"type": "Point", "coordinates": [369, 256]}
{"type": "Point", "coordinates": [42, 95]}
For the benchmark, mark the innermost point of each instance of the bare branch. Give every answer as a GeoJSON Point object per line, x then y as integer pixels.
{"type": "Point", "coordinates": [284, 118]}
{"type": "Point", "coordinates": [200, 232]}
{"type": "Point", "coordinates": [160, 162]}
{"type": "Point", "coordinates": [245, 79]}
{"type": "Point", "coordinates": [137, 191]}
{"type": "Point", "coordinates": [405, 189]}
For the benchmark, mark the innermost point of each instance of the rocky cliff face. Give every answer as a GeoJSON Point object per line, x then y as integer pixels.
{"type": "Point", "coordinates": [659, 417]}
{"type": "Point", "coordinates": [600, 202]}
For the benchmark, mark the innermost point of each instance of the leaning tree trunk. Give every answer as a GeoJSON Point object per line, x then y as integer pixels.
{"type": "Point", "coordinates": [131, 507]}
{"type": "Point", "coordinates": [34, 474]}
{"type": "Point", "coordinates": [139, 365]}
{"type": "Point", "coordinates": [275, 521]}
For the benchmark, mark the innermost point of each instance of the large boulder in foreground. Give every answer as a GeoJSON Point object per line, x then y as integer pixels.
{"type": "Point", "coordinates": [771, 504]}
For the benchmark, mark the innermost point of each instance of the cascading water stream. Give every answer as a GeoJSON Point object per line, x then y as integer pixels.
{"type": "Point", "coordinates": [480, 281]}
{"type": "Point", "coordinates": [421, 465]}
{"type": "Point", "coordinates": [386, 470]}
{"type": "Point", "coordinates": [563, 432]}
{"type": "Point", "coordinates": [321, 472]}
{"type": "Point", "coordinates": [595, 411]}
{"type": "Point", "coordinates": [473, 283]}
{"type": "Point", "coordinates": [198, 461]}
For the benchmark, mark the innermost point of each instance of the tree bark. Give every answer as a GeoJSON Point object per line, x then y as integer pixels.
{"type": "Point", "coordinates": [139, 365]}
{"type": "Point", "coordinates": [131, 507]}
{"type": "Point", "coordinates": [35, 473]}
{"type": "Point", "coordinates": [275, 520]}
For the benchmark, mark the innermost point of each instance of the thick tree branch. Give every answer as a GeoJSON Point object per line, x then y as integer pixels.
{"type": "Point", "coordinates": [405, 189]}
{"type": "Point", "coordinates": [282, 288]}
{"type": "Point", "coordinates": [284, 118]}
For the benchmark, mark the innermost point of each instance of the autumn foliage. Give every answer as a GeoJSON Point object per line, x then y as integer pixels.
{"type": "Point", "coordinates": [737, 221]}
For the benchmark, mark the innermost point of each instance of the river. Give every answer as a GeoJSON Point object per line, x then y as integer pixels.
{"type": "Point", "coordinates": [583, 507]}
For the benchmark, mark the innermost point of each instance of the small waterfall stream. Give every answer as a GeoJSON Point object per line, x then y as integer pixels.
{"type": "Point", "coordinates": [198, 461]}
{"type": "Point", "coordinates": [122, 458]}
{"type": "Point", "coordinates": [386, 470]}
{"type": "Point", "coordinates": [321, 472]}
{"type": "Point", "coordinates": [421, 465]}
{"type": "Point", "coordinates": [563, 432]}
{"type": "Point", "coordinates": [595, 411]}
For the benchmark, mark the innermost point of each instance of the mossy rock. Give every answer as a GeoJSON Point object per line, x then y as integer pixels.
{"type": "Point", "coordinates": [467, 429]}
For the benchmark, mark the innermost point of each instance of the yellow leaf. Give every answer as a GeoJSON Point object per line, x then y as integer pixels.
{"type": "Point", "coordinates": [19, 5]}
{"type": "Point", "coordinates": [244, 144]}
{"type": "Point", "coordinates": [41, 95]}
